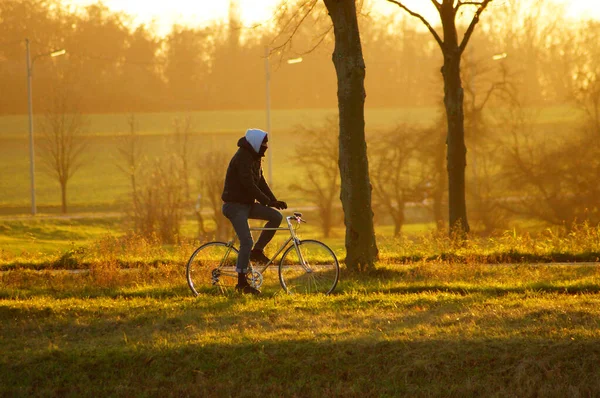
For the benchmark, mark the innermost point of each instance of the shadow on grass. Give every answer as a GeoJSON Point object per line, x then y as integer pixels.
{"type": "Point", "coordinates": [507, 257]}
{"type": "Point", "coordinates": [90, 292]}
{"type": "Point", "coordinates": [408, 289]}
{"type": "Point", "coordinates": [405, 280]}
{"type": "Point", "coordinates": [408, 270]}
{"type": "Point", "coordinates": [307, 368]}
{"type": "Point", "coordinates": [493, 290]}
{"type": "Point", "coordinates": [68, 261]}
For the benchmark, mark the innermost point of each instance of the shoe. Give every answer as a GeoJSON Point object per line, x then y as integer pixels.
{"type": "Point", "coordinates": [247, 289]}
{"type": "Point", "coordinates": [257, 256]}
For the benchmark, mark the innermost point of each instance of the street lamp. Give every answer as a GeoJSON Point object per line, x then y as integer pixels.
{"type": "Point", "coordinates": [498, 57]}
{"type": "Point", "coordinates": [30, 62]}
{"type": "Point", "coordinates": [268, 106]}
{"type": "Point", "coordinates": [294, 60]}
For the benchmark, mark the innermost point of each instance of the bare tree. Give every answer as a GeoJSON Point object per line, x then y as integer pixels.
{"type": "Point", "coordinates": [200, 216]}
{"type": "Point", "coordinates": [212, 166]}
{"type": "Point", "coordinates": [586, 76]}
{"type": "Point", "coordinates": [161, 199]}
{"type": "Point", "coordinates": [556, 180]}
{"type": "Point", "coordinates": [556, 175]}
{"type": "Point", "coordinates": [130, 150]}
{"type": "Point", "coordinates": [485, 80]}
{"type": "Point", "coordinates": [181, 135]}
{"type": "Point", "coordinates": [452, 50]}
{"type": "Point", "coordinates": [62, 141]}
{"type": "Point", "coordinates": [488, 212]}
{"type": "Point", "coordinates": [432, 152]}
{"type": "Point", "coordinates": [158, 190]}
{"type": "Point", "coordinates": [318, 155]}
{"type": "Point", "coordinates": [527, 31]}
{"type": "Point", "coordinates": [393, 163]}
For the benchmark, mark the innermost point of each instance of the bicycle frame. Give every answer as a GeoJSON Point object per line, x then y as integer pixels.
{"type": "Point", "coordinates": [293, 238]}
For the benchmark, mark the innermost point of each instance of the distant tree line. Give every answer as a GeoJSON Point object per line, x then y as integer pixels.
{"type": "Point", "coordinates": [115, 68]}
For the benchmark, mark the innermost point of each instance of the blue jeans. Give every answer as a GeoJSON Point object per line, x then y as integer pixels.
{"type": "Point", "coordinates": [238, 214]}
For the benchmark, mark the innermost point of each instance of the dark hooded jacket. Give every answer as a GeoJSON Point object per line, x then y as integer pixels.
{"type": "Point", "coordinates": [244, 181]}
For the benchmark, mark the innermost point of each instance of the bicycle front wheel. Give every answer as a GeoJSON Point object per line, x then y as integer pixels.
{"type": "Point", "coordinates": [212, 266]}
{"type": "Point", "coordinates": [316, 270]}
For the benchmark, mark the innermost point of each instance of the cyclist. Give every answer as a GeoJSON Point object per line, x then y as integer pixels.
{"type": "Point", "coordinates": [246, 195]}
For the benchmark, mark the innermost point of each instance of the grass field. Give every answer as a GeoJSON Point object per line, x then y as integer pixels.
{"type": "Point", "coordinates": [16, 126]}
{"type": "Point", "coordinates": [426, 329]}
{"type": "Point", "coordinates": [45, 242]}
{"type": "Point", "coordinates": [434, 319]}
{"type": "Point", "coordinates": [101, 186]}
{"type": "Point", "coordinates": [59, 243]}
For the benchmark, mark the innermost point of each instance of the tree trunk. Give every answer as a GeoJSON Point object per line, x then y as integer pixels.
{"type": "Point", "coordinates": [361, 248]}
{"type": "Point", "coordinates": [201, 230]}
{"type": "Point", "coordinates": [399, 218]}
{"type": "Point", "coordinates": [63, 196]}
{"type": "Point", "coordinates": [438, 214]}
{"type": "Point", "coordinates": [453, 101]}
{"type": "Point", "coordinates": [327, 226]}
{"type": "Point", "coordinates": [440, 183]}
{"type": "Point", "coordinates": [326, 219]}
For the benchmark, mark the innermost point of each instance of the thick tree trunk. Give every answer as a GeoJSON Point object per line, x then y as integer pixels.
{"type": "Point", "coordinates": [361, 248]}
{"type": "Point", "coordinates": [453, 101]}
{"type": "Point", "coordinates": [457, 151]}
{"type": "Point", "coordinates": [440, 183]}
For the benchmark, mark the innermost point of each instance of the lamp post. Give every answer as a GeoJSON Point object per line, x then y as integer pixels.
{"type": "Point", "coordinates": [268, 110]}
{"type": "Point", "coordinates": [30, 62]}
{"type": "Point", "coordinates": [268, 106]}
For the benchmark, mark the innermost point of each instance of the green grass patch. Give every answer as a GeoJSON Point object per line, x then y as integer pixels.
{"type": "Point", "coordinates": [229, 121]}
{"type": "Point", "coordinates": [419, 330]}
{"type": "Point", "coordinates": [77, 243]}
{"type": "Point", "coordinates": [99, 185]}
{"type": "Point", "coordinates": [38, 237]}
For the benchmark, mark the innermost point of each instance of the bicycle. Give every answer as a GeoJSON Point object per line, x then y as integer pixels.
{"type": "Point", "coordinates": [306, 266]}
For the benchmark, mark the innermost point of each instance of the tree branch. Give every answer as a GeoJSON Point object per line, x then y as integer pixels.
{"type": "Point", "coordinates": [311, 4]}
{"type": "Point", "coordinates": [494, 87]}
{"type": "Point", "coordinates": [467, 3]}
{"type": "Point", "coordinates": [321, 40]}
{"type": "Point", "coordinates": [427, 24]}
{"type": "Point", "coordinates": [471, 27]}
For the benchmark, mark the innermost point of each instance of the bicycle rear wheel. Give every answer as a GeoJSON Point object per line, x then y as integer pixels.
{"type": "Point", "coordinates": [319, 273]}
{"type": "Point", "coordinates": [212, 265]}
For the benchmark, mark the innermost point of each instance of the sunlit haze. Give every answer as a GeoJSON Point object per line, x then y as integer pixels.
{"type": "Point", "coordinates": [163, 14]}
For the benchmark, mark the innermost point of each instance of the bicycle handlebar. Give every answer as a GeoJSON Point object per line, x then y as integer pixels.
{"type": "Point", "coordinates": [298, 217]}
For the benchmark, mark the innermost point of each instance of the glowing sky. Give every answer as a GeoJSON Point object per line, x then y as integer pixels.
{"type": "Point", "coordinates": [200, 12]}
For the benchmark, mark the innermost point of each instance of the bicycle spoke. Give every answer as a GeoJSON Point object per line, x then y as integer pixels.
{"type": "Point", "coordinates": [212, 266]}
{"type": "Point", "coordinates": [318, 273]}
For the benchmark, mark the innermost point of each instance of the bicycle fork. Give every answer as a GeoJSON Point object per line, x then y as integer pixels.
{"type": "Point", "coordinates": [301, 259]}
